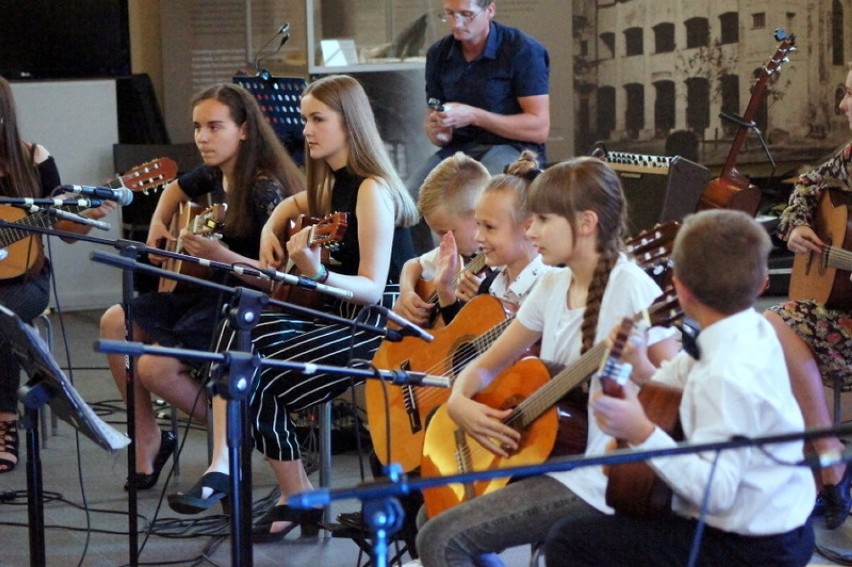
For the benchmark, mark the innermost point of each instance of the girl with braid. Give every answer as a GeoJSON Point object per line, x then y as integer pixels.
{"type": "Point", "coordinates": [578, 222]}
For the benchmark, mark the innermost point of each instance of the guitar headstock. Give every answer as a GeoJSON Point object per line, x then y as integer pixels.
{"type": "Point", "coordinates": [787, 46]}
{"type": "Point", "coordinates": [665, 311]}
{"type": "Point", "coordinates": [329, 231]}
{"type": "Point", "coordinates": [660, 236]}
{"type": "Point", "coordinates": [150, 175]}
{"type": "Point", "coordinates": [613, 374]}
{"type": "Point", "coordinates": [210, 221]}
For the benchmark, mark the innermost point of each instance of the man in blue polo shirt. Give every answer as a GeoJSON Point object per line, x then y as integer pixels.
{"type": "Point", "coordinates": [487, 86]}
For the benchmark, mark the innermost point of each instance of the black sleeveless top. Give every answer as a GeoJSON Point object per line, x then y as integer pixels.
{"type": "Point", "coordinates": [343, 199]}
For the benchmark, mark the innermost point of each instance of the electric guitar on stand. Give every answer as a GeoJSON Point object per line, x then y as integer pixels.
{"type": "Point", "coordinates": [732, 189]}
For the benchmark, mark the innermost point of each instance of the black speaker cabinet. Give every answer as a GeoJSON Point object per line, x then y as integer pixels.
{"type": "Point", "coordinates": [660, 194]}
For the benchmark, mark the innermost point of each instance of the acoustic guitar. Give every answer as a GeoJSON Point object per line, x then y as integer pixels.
{"type": "Point", "coordinates": [21, 250]}
{"type": "Point", "coordinates": [527, 389]}
{"type": "Point", "coordinates": [824, 276]}
{"type": "Point", "coordinates": [634, 488]}
{"type": "Point", "coordinates": [326, 232]}
{"type": "Point", "coordinates": [197, 220]}
{"type": "Point", "coordinates": [732, 189]}
{"type": "Point", "coordinates": [397, 414]}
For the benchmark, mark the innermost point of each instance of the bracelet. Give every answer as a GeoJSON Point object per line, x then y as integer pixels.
{"type": "Point", "coordinates": [321, 275]}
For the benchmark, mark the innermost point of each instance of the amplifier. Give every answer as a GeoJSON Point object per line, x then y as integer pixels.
{"type": "Point", "coordinates": [657, 188]}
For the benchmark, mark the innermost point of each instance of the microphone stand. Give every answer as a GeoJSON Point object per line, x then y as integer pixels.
{"type": "Point", "coordinates": [130, 250]}
{"type": "Point", "coordinates": [234, 382]}
{"type": "Point", "coordinates": [383, 513]}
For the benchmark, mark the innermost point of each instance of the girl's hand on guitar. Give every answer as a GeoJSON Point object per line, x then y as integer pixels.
{"type": "Point", "coordinates": [468, 286]}
{"type": "Point", "coordinates": [272, 254]}
{"type": "Point", "coordinates": [803, 239]}
{"type": "Point", "coordinates": [306, 258]}
{"type": "Point", "coordinates": [412, 307]}
{"type": "Point", "coordinates": [100, 212]}
{"type": "Point", "coordinates": [200, 246]}
{"type": "Point", "coordinates": [484, 424]}
{"type": "Point", "coordinates": [623, 418]}
{"type": "Point", "coordinates": [159, 236]}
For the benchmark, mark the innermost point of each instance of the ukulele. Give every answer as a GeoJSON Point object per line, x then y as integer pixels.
{"type": "Point", "coordinates": [397, 414]}
{"type": "Point", "coordinates": [21, 250]}
{"type": "Point", "coordinates": [824, 276]}
{"type": "Point", "coordinates": [634, 488]}
{"type": "Point", "coordinates": [732, 190]}
{"type": "Point", "coordinates": [207, 222]}
{"type": "Point", "coordinates": [327, 232]}
{"type": "Point", "coordinates": [527, 388]}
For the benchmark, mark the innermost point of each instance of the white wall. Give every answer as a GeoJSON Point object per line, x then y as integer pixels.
{"type": "Point", "coordinates": [77, 122]}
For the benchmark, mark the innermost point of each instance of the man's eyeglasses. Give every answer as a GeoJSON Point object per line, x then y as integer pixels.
{"type": "Point", "coordinates": [448, 16]}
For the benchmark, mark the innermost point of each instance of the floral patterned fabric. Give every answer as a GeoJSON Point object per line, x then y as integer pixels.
{"type": "Point", "coordinates": [827, 331]}
{"type": "Point", "coordinates": [829, 334]}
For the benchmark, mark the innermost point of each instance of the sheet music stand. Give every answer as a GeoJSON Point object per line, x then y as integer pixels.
{"type": "Point", "coordinates": [279, 99]}
{"type": "Point", "coordinates": [47, 384]}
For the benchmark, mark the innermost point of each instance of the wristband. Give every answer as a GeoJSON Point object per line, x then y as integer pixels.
{"type": "Point", "coordinates": [321, 275]}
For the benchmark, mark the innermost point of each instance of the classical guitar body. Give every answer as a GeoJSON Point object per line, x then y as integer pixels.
{"type": "Point", "coordinates": [20, 251]}
{"type": "Point", "coordinates": [193, 217]}
{"type": "Point", "coordinates": [816, 276]}
{"type": "Point", "coordinates": [634, 488]}
{"type": "Point", "coordinates": [722, 194]}
{"type": "Point", "coordinates": [510, 388]}
{"type": "Point", "coordinates": [408, 407]}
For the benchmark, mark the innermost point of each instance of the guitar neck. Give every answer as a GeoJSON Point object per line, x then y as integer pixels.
{"type": "Point", "coordinates": [839, 258]}
{"type": "Point", "coordinates": [546, 397]}
{"type": "Point", "coordinates": [38, 219]}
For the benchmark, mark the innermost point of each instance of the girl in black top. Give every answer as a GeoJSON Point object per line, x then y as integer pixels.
{"type": "Point", "coordinates": [246, 167]}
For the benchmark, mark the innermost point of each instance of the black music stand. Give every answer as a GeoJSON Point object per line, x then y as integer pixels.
{"type": "Point", "coordinates": [280, 101]}
{"type": "Point", "coordinates": [47, 385]}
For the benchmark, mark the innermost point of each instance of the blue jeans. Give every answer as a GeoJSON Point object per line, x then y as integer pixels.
{"type": "Point", "coordinates": [518, 514]}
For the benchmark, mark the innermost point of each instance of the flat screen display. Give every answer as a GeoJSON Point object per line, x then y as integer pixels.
{"type": "Point", "coordinates": [60, 39]}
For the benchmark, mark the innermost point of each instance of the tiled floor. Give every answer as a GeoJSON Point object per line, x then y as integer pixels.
{"type": "Point", "coordinates": [86, 515]}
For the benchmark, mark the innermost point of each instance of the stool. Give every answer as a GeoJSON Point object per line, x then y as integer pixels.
{"type": "Point", "coordinates": [47, 333]}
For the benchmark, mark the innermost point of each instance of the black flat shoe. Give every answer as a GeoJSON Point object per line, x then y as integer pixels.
{"type": "Point", "coordinates": [836, 500]}
{"type": "Point", "coordinates": [191, 502]}
{"type": "Point", "coordinates": [167, 448]}
{"type": "Point", "coordinates": [307, 520]}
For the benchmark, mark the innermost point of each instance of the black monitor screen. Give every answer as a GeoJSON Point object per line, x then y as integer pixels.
{"type": "Point", "coordinates": [50, 39]}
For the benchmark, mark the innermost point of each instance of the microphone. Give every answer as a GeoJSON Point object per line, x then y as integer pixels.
{"type": "Point", "coordinates": [406, 327]}
{"type": "Point", "coordinates": [122, 195]}
{"type": "Point", "coordinates": [306, 283]}
{"type": "Point", "coordinates": [79, 219]}
{"type": "Point", "coordinates": [409, 378]}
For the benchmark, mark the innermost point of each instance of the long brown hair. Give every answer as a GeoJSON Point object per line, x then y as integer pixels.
{"type": "Point", "coordinates": [261, 153]}
{"type": "Point", "coordinates": [16, 157]}
{"type": "Point", "coordinates": [586, 184]}
{"type": "Point", "coordinates": [367, 154]}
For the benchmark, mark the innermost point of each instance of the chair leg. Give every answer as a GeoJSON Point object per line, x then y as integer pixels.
{"type": "Point", "coordinates": [45, 321]}
{"type": "Point", "coordinates": [173, 415]}
{"type": "Point", "coordinates": [536, 553]}
{"type": "Point", "coordinates": [325, 454]}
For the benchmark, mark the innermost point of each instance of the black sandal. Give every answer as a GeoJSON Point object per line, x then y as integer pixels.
{"type": "Point", "coordinates": [191, 502]}
{"type": "Point", "coordinates": [8, 445]}
{"type": "Point", "coordinates": [307, 520]}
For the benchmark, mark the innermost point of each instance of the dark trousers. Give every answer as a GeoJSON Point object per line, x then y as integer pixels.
{"type": "Point", "coordinates": [623, 540]}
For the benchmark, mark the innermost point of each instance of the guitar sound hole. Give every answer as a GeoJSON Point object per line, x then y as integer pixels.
{"type": "Point", "coordinates": [462, 356]}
